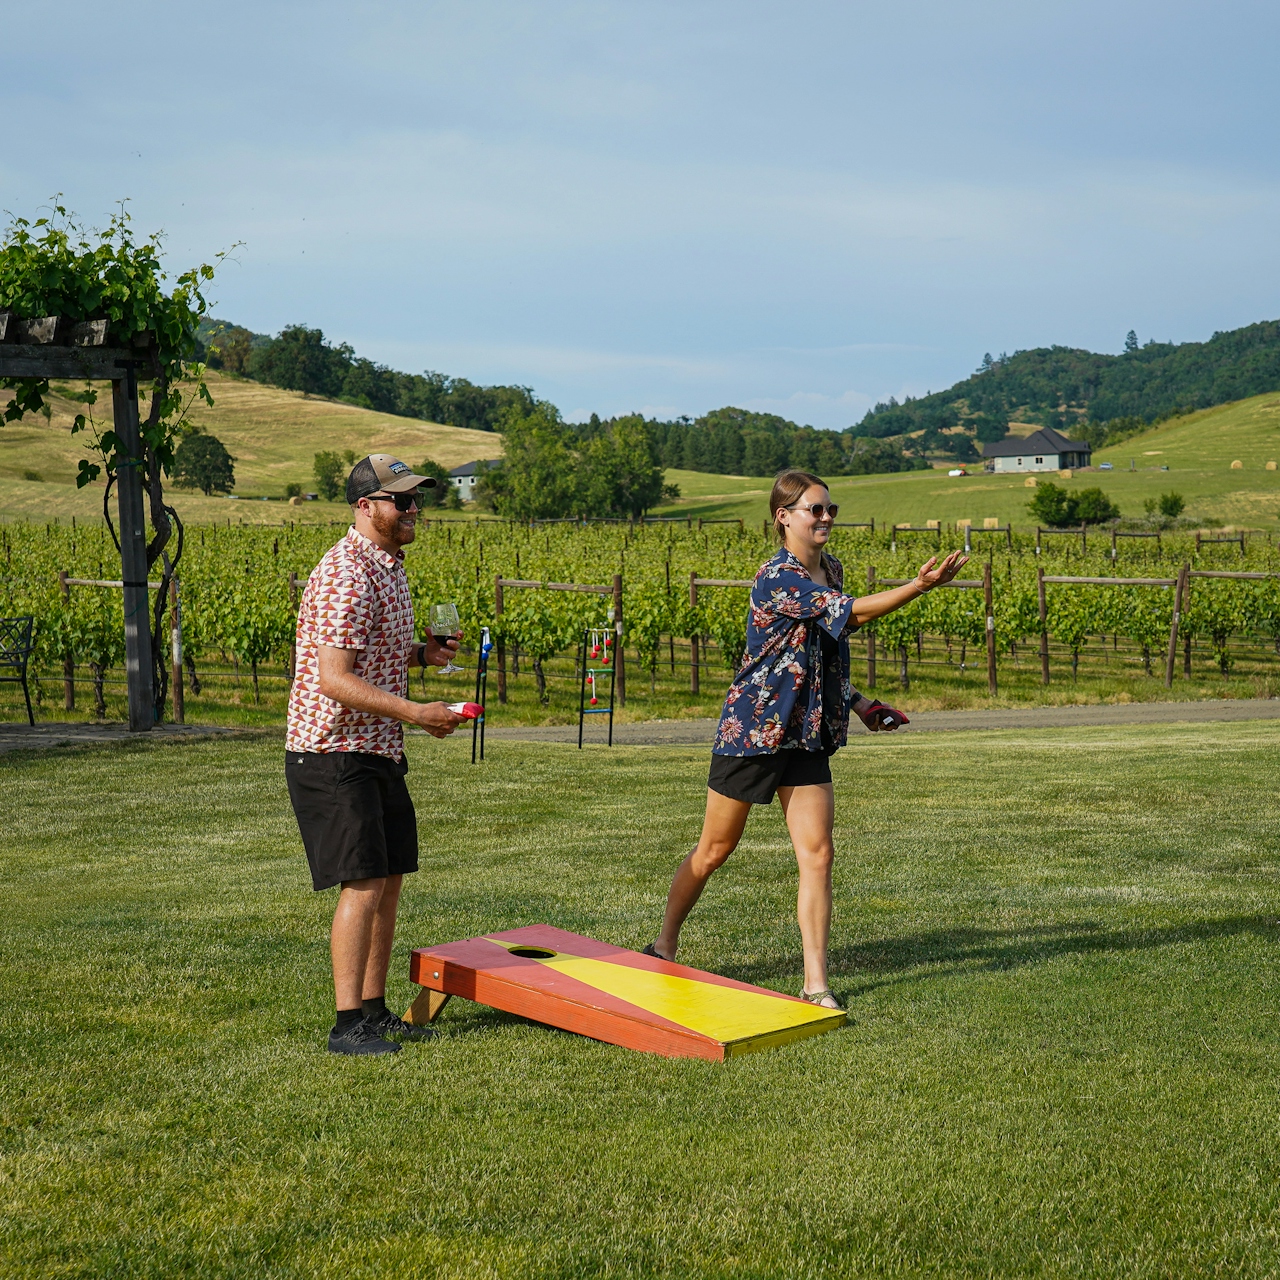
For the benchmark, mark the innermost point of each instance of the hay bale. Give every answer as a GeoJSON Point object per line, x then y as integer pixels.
{"type": "Point", "coordinates": [1029, 482]}
{"type": "Point", "coordinates": [1237, 465]}
{"type": "Point", "coordinates": [991, 522]}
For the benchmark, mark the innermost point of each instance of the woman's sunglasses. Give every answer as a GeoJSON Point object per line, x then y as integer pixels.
{"type": "Point", "coordinates": [817, 510]}
{"type": "Point", "coordinates": [403, 501]}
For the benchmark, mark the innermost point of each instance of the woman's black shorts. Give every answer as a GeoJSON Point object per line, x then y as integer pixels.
{"type": "Point", "coordinates": [355, 815]}
{"type": "Point", "coordinates": [754, 779]}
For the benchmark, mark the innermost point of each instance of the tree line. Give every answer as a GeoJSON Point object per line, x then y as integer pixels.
{"type": "Point", "coordinates": [728, 441]}
{"type": "Point", "coordinates": [735, 441]}
{"type": "Point", "coordinates": [301, 359]}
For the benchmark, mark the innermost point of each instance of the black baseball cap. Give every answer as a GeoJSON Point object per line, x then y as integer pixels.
{"type": "Point", "coordinates": [381, 473]}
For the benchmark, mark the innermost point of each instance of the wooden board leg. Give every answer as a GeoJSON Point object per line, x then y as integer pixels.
{"type": "Point", "coordinates": [427, 1007]}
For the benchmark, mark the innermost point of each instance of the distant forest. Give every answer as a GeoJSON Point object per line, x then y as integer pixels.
{"type": "Point", "coordinates": [739, 442]}
{"type": "Point", "coordinates": [1098, 398]}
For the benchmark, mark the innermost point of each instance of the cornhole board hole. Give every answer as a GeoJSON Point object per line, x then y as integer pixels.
{"type": "Point", "coordinates": [612, 994]}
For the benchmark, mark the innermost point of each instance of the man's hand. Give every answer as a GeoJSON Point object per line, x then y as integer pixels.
{"type": "Point", "coordinates": [436, 718]}
{"type": "Point", "coordinates": [436, 654]}
{"type": "Point", "coordinates": [932, 574]}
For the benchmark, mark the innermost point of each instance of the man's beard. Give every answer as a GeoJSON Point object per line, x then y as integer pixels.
{"type": "Point", "coordinates": [386, 520]}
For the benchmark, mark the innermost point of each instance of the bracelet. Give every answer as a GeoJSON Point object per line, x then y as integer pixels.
{"type": "Point", "coordinates": [924, 591]}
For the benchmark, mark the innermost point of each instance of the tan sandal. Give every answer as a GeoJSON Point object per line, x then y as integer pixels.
{"type": "Point", "coordinates": [823, 999]}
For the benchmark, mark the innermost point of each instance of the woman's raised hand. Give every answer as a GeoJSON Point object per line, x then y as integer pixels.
{"type": "Point", "coordinates": [932, 574]}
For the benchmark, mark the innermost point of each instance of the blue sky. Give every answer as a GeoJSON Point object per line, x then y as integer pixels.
{"type": "Point", "coordinates": [800, 208]}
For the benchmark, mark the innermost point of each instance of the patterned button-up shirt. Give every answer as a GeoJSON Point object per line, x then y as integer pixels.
{"type": "Point", "coordinates": [775, 701]}
{"type": "Point", "coordinates": [357, 597]}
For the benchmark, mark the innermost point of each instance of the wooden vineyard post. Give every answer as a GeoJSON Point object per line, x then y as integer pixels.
{"type": "Point", "coordinates": [693, 639]}
{"type": "Point", "coordinates": [68, 658]}
{"type": "Point", "coordinates": [133, 554]}
{"type": "Point", "coordinates": [619, 658]}
{"type": "Point", "coordinates": [1173, 626]}
{"type": "Point", "coordinates": [871, 635]}
{"type": "Point", "coordinates": [175, 645]}
{"type": "Point", "coordinates": [991, 628]}
{"type": "Point", "coordinates": [502, 644]}
{"type": "Point", "coordinates": [1044, 627]}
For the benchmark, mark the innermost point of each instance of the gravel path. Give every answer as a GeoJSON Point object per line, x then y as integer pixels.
{"type": "Point", "coordinates": [697, 733]}
{"type": "Point", "coordinates": [22, 737]}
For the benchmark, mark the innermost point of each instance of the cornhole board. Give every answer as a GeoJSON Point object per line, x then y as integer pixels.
{"type": "Point", "coordinates": [612, 994]}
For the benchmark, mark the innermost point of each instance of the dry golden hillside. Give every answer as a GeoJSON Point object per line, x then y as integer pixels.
{"type": "Point", "coordinates": [272, 434]}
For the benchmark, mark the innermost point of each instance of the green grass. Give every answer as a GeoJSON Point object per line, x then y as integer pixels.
{"type": "Point", "coordinates": [1059, 952]}
{"type": "Point", "coordinates": [1198, 450]}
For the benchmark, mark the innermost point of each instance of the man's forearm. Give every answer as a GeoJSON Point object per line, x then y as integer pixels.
{"type": "Point", "coordinates": [358, 694]}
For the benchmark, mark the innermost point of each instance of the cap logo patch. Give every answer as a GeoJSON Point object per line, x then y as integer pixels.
{"type": "Point", "coordinates": [397, 468]}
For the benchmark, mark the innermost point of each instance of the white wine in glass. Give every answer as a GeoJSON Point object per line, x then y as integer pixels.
{"type": "Point", "coordinates": [444, 626]}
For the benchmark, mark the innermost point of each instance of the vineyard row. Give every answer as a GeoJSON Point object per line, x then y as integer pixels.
{"type": "Point", "coordinates": [237, 597]}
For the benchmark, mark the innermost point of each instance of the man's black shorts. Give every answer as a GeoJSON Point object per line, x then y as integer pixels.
{"type": "Point", "coordinates": [755, 779]}
{"type": "Point", "coordinates": [355, 815]}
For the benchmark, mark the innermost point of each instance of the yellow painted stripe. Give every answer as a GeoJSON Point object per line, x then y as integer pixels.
{"type": "Point", "coordinates": [723, 1013]}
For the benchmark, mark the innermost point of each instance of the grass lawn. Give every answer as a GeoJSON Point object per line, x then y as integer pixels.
{"type": "Point", "coordinates": [1058, 950]}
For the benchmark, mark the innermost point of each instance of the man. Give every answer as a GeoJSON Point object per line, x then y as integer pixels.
{"type": "Point", "coordinates": [344, 750]}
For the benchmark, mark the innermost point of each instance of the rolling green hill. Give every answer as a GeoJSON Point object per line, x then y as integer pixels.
{"type": "Point", "coordinates": [272, 434]}
{"type": "Point", "coordinates": [1198, 450]}
{"type": "Point", "coordinates": [1075, 390]}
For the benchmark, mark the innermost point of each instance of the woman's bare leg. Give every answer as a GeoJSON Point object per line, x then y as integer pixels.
{"type": "Point", "coordinates": [810, 813]}
{"type": "Point", "coordinates": [721, 830]}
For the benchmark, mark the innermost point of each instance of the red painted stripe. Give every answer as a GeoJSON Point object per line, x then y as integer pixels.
{"type": "Point", "coordinates": [477, 965]}
{"type": "Point", "coordinates": [574, 944]}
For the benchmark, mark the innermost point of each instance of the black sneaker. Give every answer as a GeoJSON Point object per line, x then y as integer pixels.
{"type": "Point", "coordinates": [393, 1028]}
{"type": "Point", "coordinates": [360, 1038]}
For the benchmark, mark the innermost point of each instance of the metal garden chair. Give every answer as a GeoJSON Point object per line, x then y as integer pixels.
{"type": "Point", "coordinates": [15, 650]}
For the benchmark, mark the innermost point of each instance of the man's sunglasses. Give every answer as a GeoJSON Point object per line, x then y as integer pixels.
{"type": "Point", "coordinates": [403, 501]}
{"type": "Point", "coordinates": [817, 510]}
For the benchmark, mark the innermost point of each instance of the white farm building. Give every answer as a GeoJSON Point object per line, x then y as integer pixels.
{"type": "Point", "coordinates": [465, 477]}
{"type": "Point", "coordinates": [1043, 450]}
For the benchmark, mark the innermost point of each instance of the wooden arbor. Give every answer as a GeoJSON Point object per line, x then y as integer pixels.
{"type": "Point", "coordinates": [46, 348]}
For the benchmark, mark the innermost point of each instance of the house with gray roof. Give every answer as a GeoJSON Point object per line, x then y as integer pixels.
{"type": "Point", "coordinates": [465, 478]}
{"type": "Point", "coordinates": [1043, 450]}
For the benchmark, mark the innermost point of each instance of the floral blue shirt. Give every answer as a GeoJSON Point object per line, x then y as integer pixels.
{"type": "Point", "coordinates": [775, 701]}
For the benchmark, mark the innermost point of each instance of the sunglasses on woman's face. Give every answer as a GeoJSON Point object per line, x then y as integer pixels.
{"type": "Point", "coordinates": [817, 510]}
{"type": "Point", "coordinates": [403, 501]}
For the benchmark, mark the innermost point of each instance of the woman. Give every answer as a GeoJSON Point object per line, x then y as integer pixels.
{"type": "Point", "coordinates": [787, 711]}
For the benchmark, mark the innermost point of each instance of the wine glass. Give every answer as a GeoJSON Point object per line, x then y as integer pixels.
{"type": "Point", "coordinates": [444, 626]}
